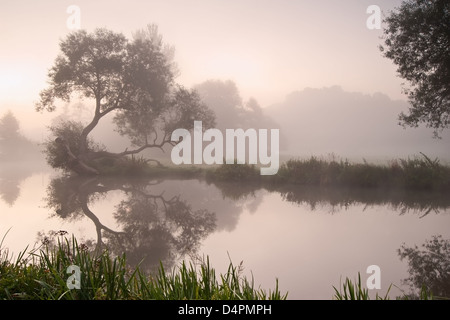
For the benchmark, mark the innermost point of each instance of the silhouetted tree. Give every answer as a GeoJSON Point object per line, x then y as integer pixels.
{"type": "Point", "coordinates": [13, 145]}
{"type": "Point", "coordinates": [417, 40]}
{"type": "Point", "coordinates": [9, 127]}
{"type": "Point", "coordinates": [133, 79]}
{"type": "Point", "coordinates": [231, 111]}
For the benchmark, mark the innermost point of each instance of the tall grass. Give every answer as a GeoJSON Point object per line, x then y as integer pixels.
{"type": "Point", "coordinates": [350, 290]}
{"type": "Point", "coordinates": [354, 290]}
{"type": "Point", "coordinates": [418, 173]}
{"type": "Point", "coordinates": [40, 274]}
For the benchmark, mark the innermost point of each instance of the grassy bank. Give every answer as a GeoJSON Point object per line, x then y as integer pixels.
{"type": "Point", "coordinates": [415, 173]}
{"type": "Point", "coordinates": [41, 274]}
{"type": "Point", "coordinates": [354, 290]}
{"type": "Point", "coordinates": [418, 173]}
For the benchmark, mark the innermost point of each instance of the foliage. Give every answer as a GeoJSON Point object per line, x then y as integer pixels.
{"type": "Point", "coordinates": [134, 79]}
{"type": "Point", "coordinates": [13, 144]}
{"type": "Point", "coordinates": [9, 126]}
{"type": "Point", "coordinates": [69, 132]}
{"type": "Point", "coordinates": [354, 290]}
{"type": "Point", "coordinates": [417, 40]}
{"type": "Point", "coordinates": [41, 275]}
{"type": "Point", "coordinates": [350, 290]}
{"type": "Point", "coordinates": [429, 266]}
{"type": "Point", "coordinates": [418, 173]}
{"type": "Point", "coordinates": [224, 99]}
{"type": "Point", "coordinates": [235, 172]}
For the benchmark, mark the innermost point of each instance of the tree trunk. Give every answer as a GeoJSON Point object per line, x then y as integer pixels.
{"type": "Point", "coordinates": [76, 163]}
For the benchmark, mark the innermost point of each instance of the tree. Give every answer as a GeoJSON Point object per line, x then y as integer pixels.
{"type": "Point", "coordinates": [134, 79]}
{"type": "Point", "coordinates": [417, 40]}
{"type": "Point", "coordinates": [232, 112]}
{"type": "Point", "coordinates": [13, 145]}
{"type": "Point", "coordinates": [9, 127]}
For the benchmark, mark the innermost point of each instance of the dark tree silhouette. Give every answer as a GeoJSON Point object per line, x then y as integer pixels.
{"type": "Point", "coordinates": [417, 40]}
{"type": "Point", "coordinates": [132, 79]}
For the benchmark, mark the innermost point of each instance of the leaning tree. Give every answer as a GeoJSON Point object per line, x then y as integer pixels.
{"type": "Point", "coordinates": [132, 78]}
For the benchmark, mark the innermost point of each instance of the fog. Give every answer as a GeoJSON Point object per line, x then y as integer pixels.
{"type": "Point", "coordinates": [310, 73]}
{"type": "Point", "coordinates": [311, 69]}
{"type": "Point", "coordinates": [353, 125]}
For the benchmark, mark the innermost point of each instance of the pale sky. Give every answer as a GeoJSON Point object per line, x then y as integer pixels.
{"type": "Point", "coordinates": [269, 48]}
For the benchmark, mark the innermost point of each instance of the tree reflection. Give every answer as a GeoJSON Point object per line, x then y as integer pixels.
{"type": "Point", "coordinates": [12, 174]}
{"type": "Point", "coordinates": [428, 266]}
{"type": "Point", "coordinates": [153, 228]}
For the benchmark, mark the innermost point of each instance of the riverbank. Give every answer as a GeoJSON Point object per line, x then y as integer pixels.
{"type": "Point", "coordinates": [416, 173]}
{"type": "Point", "coordinates": [71, 271]}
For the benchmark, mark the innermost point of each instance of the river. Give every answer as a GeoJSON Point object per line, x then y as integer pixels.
{"type": "Point", "coordinates": [309, 239]}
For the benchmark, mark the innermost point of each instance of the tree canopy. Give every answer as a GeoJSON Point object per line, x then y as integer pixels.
{"type": "Point", "coordinates": [417, 40]}
{"type": "Point", "coordinates": [132, 78]}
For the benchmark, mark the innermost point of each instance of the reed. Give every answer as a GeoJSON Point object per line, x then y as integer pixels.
{"type": "Point", "coordinates": [41, 274]}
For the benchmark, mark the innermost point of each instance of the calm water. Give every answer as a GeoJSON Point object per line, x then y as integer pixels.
{"type": "Point", "coordinates": [307, 238]}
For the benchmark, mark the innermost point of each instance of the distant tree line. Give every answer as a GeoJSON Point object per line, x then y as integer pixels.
{"type": "Point", "coordinates": [13, 144]}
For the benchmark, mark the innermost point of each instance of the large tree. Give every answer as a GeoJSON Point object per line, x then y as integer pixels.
{"type": "Point", "coordinates": [133, 78]}
{"type": "Point", "coordinates": [417, 40]}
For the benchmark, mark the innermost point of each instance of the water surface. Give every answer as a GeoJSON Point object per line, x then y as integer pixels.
{"type": "Point", "coordinates": [308, 238]}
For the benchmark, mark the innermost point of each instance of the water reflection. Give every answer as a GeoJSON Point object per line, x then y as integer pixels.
{"type": "Point", "coordinates": [153, 226]}
{"type": "Point", "coordinates": [428, 266]}
{"type": "Point", "coordinates": [338, 199]}
{"type": "Point", "coordinates": [163, 220]}
{"type": "Point", "coordinates": [12, 174]}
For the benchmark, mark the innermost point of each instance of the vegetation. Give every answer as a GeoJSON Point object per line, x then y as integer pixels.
{"type": "Point", "coordinates": [412, 173]}
{"type": "Point", "coordinates": [429, 274]}
{"type": "Point", "coordinates": [354, 290]}
{"type": "Point", "coordinates": [417, 41]}
{"type": "Point", "coordinates": [418, 173]}
{"type": "Point", "coordinates": [131, 79]}
{"type": "Point", "coordinates": [41, 274]}
{"type": "Point", "coordinates": [429, 266]}
{"type": "Point", "coordinates": [14, 146]}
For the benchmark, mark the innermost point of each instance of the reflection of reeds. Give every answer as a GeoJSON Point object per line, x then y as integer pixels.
{"type": "Point", "coordinates": [41, 274]}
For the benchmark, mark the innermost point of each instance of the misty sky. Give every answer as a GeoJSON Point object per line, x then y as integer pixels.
{"type": "Point", "coordinates": [269, 48]}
